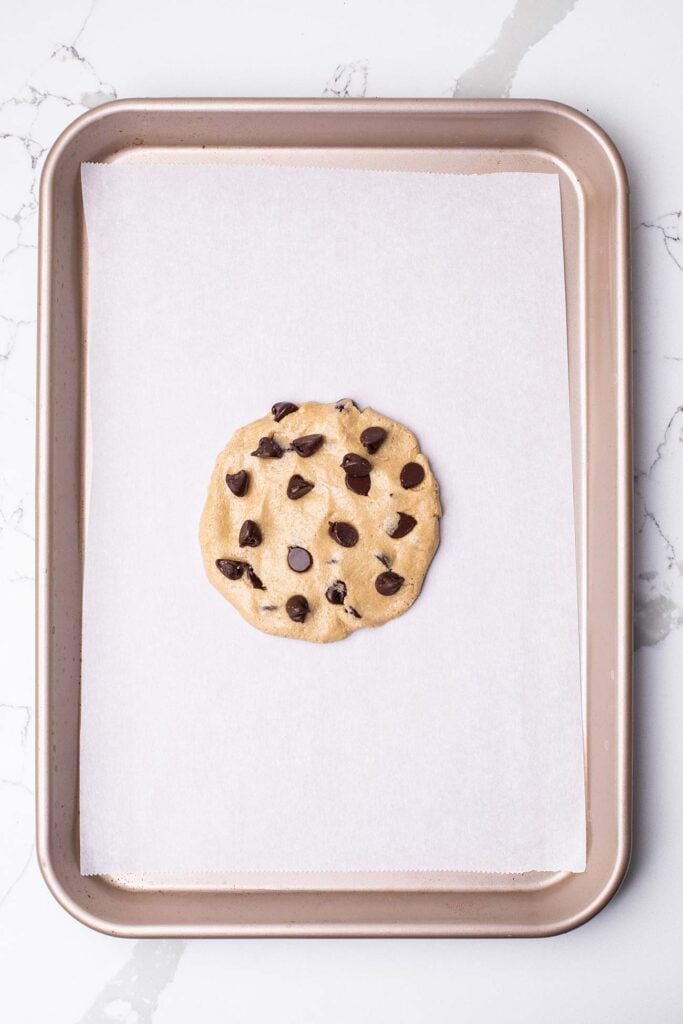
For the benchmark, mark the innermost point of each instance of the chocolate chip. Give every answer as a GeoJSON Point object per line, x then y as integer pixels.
{"type": "Point", "coordinates": [250, 534]}
{"type": "Point", "coordinates": [268, 448]}
{"type": "Point", "coordinates": [238, 482]}
{"type": "Point", "coordinates": [344, 534]}
{"type": "Point", "coordinates": [405, 524]}
{"type": "Point", "coordinates": [268, 607]}
{"type": "Point", "coordinates": [305, 446]}
{"type": "Point", "coordinates": [355, 465]}
{"type": "Point", "coordinates": [282, 409]}
{"type": "Point", "coordinates": [373, 438]}
{"type": "Point", "coordinates": [352, 611]}
{"type": "Point", "coordinates": [229, 567]}
{"type": "Point", "coordinates": [297, 608]}
{"type": "Point", "coordinates": [385, 560]}
{"type": "Point", "coordinates": [253, 579]}
{"type": "Point", "coordinates": [388, 583]}
{"type": "Point", "coordinates": [344, 403]}
{"type": "Point", "coordinates": [357, 471]}
{"type": "Point", "coordinates": [358, 484]}
{"type": "Point", "coordinates": [412, 474]}
{"type": "Point", "coordinates": [234, 570]}
{"type": "Point", "coordinates": [297, 487]}
{"type": "Point", "coordinates": [336, 592]}
{"type": "Point", "coordinates": [299, 559]}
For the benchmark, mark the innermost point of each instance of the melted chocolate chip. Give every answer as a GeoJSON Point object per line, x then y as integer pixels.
{"type": "Point", "coordinates": [282, 409]}
{"type": "Point", "coordinates": [336, 592]}
{"type": "Point", "coordinates": [358, 484]}
{"type": "Point", "coordinates": [388, 583]}
{"type": "Point", "coordinates": [344, 403]}
{"type": "Point", "coordinates": [385, 560]}
{"type": "Point", "coordinates": [352, 611]}
{"type": "Point", "coordinates": [297, 608]}
{"type": "Point", "coordinates": [238, 482]}
{"type": "Point", "coordinates": [373, 438]}
{"type": "Point", "coordinates": [405, 524]}
{"type": "Point", "coordinates": [308, 445]}
{"type": "Point", "coordinates": [297, 487]}
{"type": "Point", "coordinates": [268, 448]}
{"type": "Point", "coordinates": [231, 568]}
{"type": "Point", "coordinates": [412, 474]}
{"type": "Point", "coordinates": [355, 465]}
{"type": "Point", "coordinates": [344, 534]}
{"type": "Point", "coordinates": [299, 559]}
{"type": "Point", "coordinates": [254, 579]}
{"type": "Point", "coordinates": [250, 534]}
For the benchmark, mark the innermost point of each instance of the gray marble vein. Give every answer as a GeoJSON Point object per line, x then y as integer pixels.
{"type": "Point", "coordinates": [86, 21]}
{"type": "Point", "coordinates": [9, 340]}
{"type": "Point", "coordinates": [64, 86]}
{"type": "Point", "coordinates": [14, 520]}
{"type": "Point", "coordinates": [528, 23]}
{"type": "Point", "coordinates": [132, 994]}
{"type": "Point", "coordinates": [659, 575]}
{"type": "Point", "coordinates": [348, 80]}
{"type": "Point", "coordinates": [669, 227]}
{"type": "Point", "coordinates": [61, 88]}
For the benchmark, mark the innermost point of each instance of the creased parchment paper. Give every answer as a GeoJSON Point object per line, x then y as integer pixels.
{"type": "Point", "coordinates": [449, 738]}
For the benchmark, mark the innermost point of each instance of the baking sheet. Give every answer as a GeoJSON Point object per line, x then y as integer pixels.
{"type": "Point", "coordinates": [450, 738]}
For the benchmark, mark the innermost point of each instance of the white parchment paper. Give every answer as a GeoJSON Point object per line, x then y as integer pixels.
{"type": "Point", "coordinates": [449, 738]}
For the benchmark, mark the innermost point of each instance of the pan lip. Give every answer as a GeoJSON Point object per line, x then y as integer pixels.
{"type": "Point", "coordinates": [71, 135]}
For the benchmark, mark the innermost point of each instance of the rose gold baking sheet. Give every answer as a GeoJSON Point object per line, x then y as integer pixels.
{"type": "Point", "coordinates": [444, 135]}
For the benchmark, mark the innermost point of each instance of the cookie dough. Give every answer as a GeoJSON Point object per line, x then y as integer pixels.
{"type": "Point", "coordinates": [319, 520]}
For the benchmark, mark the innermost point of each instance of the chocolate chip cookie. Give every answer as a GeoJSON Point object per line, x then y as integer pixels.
{"type": "Point", "coordinates": [319, 520]}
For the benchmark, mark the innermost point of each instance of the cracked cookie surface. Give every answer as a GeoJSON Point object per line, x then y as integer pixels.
{"type": "Point", "coordinates": [320, 519]}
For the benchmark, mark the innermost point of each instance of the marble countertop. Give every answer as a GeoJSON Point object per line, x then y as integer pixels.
{"type": "Point", "coordinates": [620, 64]}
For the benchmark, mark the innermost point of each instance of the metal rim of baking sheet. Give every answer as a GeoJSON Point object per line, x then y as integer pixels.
{"type": "Point", "coordinates": [466, 136]}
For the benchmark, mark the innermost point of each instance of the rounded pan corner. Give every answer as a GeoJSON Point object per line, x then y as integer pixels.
{"type": "Point", "coordinates": [595, 903]}
{"type": "Point", "coordinates": [72, 133]}
{"type": "Point", "coordinates": [588, 125]}
{"type": "Point", "coordinates": [70, 903]}
{"type": "Point", "coordinates": [64, 898]}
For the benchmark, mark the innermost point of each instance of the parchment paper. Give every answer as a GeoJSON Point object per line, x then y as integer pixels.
{"type": "Point", "coordinates": [449, 738]}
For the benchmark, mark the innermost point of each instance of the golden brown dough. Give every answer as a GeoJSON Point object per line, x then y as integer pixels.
{"type": "Point", "coordinates": [304, 548]}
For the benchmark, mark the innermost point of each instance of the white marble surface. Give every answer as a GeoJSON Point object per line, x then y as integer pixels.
{"type": "Point", "coordinates": [620, 62]}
